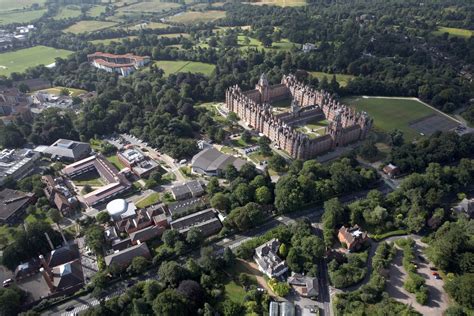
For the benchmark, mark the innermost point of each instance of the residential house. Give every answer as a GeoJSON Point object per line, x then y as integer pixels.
{"type": "Point", "coordinates": [268, 261]}
{"type": "Point", "coordinates": [466, 206]}
{"type": "Point", "coordinates": [352, 237]}
{"type": "Point", "coordinates": [391, 170]}
{"type": "Point", "coordinates": [306, 286]}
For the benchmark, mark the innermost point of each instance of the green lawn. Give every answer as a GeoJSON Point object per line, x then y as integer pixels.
{"type": "Point", "coordinates": [171, 67]}
{"type": "Point", "coordinates": [175, 35]}
{"type": "Point", "coordinates": [281, 3]}
{"type": "Point", "coordinates": [20, 60]}
{"type": "Point", "coordinates": [149, 200]}
{"type": "Point", "coordinates": [283, 44]}
{"type": "Point", "coordinates": [257, 157]}
{"type": "Point", "coordinates": [193, 17]}
{"type": "Point", "coordinates": [107, 41]}
{"type": "Point", "coordinates": [116, 162]}
{"type": "Point", "coordinates": [38, 215]}
{"type": "Point", "coordinates": [96, 11]}
{"type": "Point", "coordinates": [90, 178]}
{"type": "Point", "coordinates": [68, 12]}
{"type": "Point", "coordinates": [150, 25]}
{"type": "Point", "coordinates": [452, 31]}
{"type": "Point", "coordinates": [20, 16]}
{"type": "Point", "coordinates": [7, 5]}
{"type": "Point", "coordinates": [72, 91]}
{"type": "Point", "coordinates": [234, 291]}
{"type": "Point", "coordinates": [342, 79]}
{"type": "Point", "coordinates": [389, 114]}
{"type": "Point", "coordinates": [88, 26]}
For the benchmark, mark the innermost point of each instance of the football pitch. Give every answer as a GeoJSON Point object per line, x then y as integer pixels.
{"type": "Point", "coordinates": [410, 116]}
{"type": "Point", "coordinates": [171, 67]}
{"type": "Point", "coordinates": [20, 60]}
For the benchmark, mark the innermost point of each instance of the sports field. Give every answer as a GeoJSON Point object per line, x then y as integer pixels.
{"type": "Point", "coordinates": [88, 26]}
{"type": "Point", "coordinates": [403, 114]}
{"type": "Point", "coordinates": [454, 32]}
{"type": "Point", "coordinates": [192, 17]}
{"type": "Point", "coordinates": [20, 60]}
{"type": "Point", "coordinates": [72, 91]}
{"type": "Point", "coordinates": [20, 16]}
{"type": "Point", "coordinates": [342, 79]}
{"type": "Point", "coordinates": [171, 67]}
{"type": "Point", "coordinates": [7, 5]}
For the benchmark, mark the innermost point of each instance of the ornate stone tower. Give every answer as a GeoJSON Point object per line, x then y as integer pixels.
{"type": "Point", "coordinates": [262, 87]}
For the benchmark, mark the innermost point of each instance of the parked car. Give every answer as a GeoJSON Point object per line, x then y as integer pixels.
{"type": "Point", "coordinates": [437, 277]}
{"type": "Point", "coordinates": [7, 282]}
{"type": "Point", "coordinates": [70, 308]}
{"type": "Point", "coordinates": [433, 269]}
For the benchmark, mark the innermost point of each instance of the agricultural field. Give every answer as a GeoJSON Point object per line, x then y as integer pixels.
{"type": "Point", "coordinates": [20, 60]}
{"type": "Point", "coordinates": [171, 67]}
{"type": "Point", "coordinates": [88, 26]}
{"type": "Point", "coordinates": [96, 11]}
{"type": "Point", "coordinates": [107, 41]}
{"type": "Point", "coordinates": [281, 3]}
{"type": "Point", "coordinates": [8, 5]}
{"type": "Point", "coordinates": [149, 25]}
{"type": "Point", "coordinates": [175, 35]}
{"type": "Point", "coordinates": [192, 17]}
{"type": "Point", "coordinates": [154, 6]}
{"type": "Point", "coordinates": [20, 16]}
{"type": "Point", "coordinates": [454, 32]}
{"type": "Point", "coordinates": [68, 12]}
{"type": "Point", "coordinates": [72, 91]}
{"type": "Point", "coordinates": [392, 113]}
{"type": "Point", "coordinates": [343, 80]}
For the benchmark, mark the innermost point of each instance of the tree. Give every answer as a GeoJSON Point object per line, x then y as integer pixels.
{"type": "Point", "coordinates": [248, 171]}
{"type": "Point", "coordinates": [170, 272]}
{"type": "Point", "coordinates": [139, 265]}
{"type": "Point", "coordinates": [242, 193]}
{"type": "Point", "coordinates": [65, 92]}
{"type": "Point", "coordinates": [208, 260]}
{"type": "Point", "coordinates": [170, 237]}
{"type": "Point", "coordinates": [283, 250]}
{"type": "Point", "coordinates": [396, 138]}
{"type": "Point", "coordinates": [277, 163]}
{"type": "Point", "coordinates": [86, 189]}
{"type": "Point", "coordinates": [151, 289]}
{"type": "Point", "coordinates": [264, 143]}
{"type": "Point", "coordinates": [221, 202]}
{"type": "Point", "coordinates": [23, 87]}
{"type": "Point", "coordinates": [103, 217]}
{"type": "Point", "coordinates": [170, 303]}
{"type": "Point", "coordinates": [288, 194]}
{"type": "Point", "coordinates": [194, 237]}
{"type": "Point", "coordinates": [10, 301]}
{"type": "Point", "coordinates": [228, 256]}
{"type": "Point", "coordinates": [213, 186]}
{"type": "Point", "coordinates": [54, 215]}
{"type": "Point", "coordinates": [368, 150]}
{"type": "Point", "coordinates": [294, 260]}
{"type": "Point", "coordinates": [263, 195]}
{"type": "Point", "coordinates": [230, 308]}
{"type": "Point", "coordinates": [461, 288]}
{"type": "Point", "coordinates": [94, 238]}
{"type": "Point", "coordinates": [246, 136]}
{"type": "Point", "coordinates": [230, 172]}
{"type": "Point", "coordinates": [192, 291]}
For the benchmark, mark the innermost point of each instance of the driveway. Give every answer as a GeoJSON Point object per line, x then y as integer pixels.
{"type": "Point", "coordinates": [438, 299]}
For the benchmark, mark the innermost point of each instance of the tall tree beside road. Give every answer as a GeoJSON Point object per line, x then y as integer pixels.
{"type": "Point", "coordinates": [333, 217]}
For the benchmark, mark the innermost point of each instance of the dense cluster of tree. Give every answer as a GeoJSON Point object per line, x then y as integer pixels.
{"type": "Point", "coordinates": [311, 182]}
{"type": "Point", "coordinates": [348, 269]}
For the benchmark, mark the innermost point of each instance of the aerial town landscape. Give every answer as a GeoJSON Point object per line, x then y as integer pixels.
{"type": "Point", "coordinates": [264, 157]}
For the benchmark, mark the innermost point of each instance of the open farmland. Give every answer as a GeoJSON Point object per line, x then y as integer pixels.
{"type": "Point", "coordinates": [8, 5]}
{"type": "Point", "coordinates": [171, 67]}
{"type": "Point", "coordinates": [96, 11]}
{"type": "Point", "coordinates": [343, 80]}
{"type": "Point", "coordinates": [148, 6]}
{"type": "Point", "coordinates": [192, 17]}
{"type": "Point", "coordinates": [88, 26]}
{"type": "Point", "coordinates": [404, 114]}
{"type": "Point", "coordinates": [107, 41]}
{"type": "Point", "coordinates": [68, 12]}
{"type": "Point", "coordinates": [20, 16]}
{"type": "Point", "coordinates": [20, 60]}
{"type": "Point", "coordinates": [454, 32]}
{"type": "Point", "coordinates": [281, 3]}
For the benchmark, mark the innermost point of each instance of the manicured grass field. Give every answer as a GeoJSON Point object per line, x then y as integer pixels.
{"type": "Point", "coordinates": [390, 114]}
{"type": "Point", "coordinates": [20, 60]}
{"type": "Point", "coordinates": [73, 92]}
{"type": "Point", "coordinates": [149, 200]}
{"type": "Point", "coordinates": [88, 26]}
{"type": "Point", "coordinates": [150, 25]}
{"type": "Point", "coordinates": [7, 5]}
{"type": "Point", "coordinates": [281, 3]}
{"type": "Point", "coordinates": [284, 44]}
{"type": "Point", "coordinates": [68, 12]}
{"type": "Point", "coordinates": [148, 6]}
{"type": "Point", "coordinates": [107, 41]}
{"type": "Point", "coordinates": [171, 67]}
{"type": "Point", "coordinates": [175, 35]}
{"type": "Point", "coordinates": [91, 178]}
{"type": "Point", "coordinates": [454, 32]}
{"type": "Point", "coordinates": [342, 79]}
{"type": "Point", "coordinates": [20, 16]}
{"type": "Point", "coordinates": [192, 17]}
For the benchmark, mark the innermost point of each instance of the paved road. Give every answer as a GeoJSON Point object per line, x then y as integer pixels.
{"type": "Point", "coordinates": [313, 214]}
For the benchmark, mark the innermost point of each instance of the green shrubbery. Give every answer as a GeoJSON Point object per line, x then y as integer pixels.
{"type": "Point", "coordinates": [349, 273]}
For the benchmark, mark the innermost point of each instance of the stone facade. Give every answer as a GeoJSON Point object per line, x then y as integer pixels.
{"type": "Point", "coordinates": [254, 108]}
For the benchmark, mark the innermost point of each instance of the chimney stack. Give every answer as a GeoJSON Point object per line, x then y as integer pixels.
{"type": "Point", "coordinates": [48, 279]}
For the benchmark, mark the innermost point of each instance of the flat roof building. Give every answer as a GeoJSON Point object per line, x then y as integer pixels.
{"type": "Point", "coordinates": [121, 64]}
{"type": "Point", "coordinates": [187, 190]}
{"type": "Point", "coordinates": [206, 221]}
{"type": "Point", "coordinates": [139, 163]}
{"type": "Point", "coordinates": [68, 150]}
{"type": "Point", "coordinates": [16, 163]}
{"type": "Point", "coordinates": [212, 162]}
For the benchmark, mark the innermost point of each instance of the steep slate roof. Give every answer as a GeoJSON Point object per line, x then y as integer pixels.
{"type": "Point", "coordinates": [146, 234]}
{"type": "Point", "coordinates": [63, 255]}
{"type": "Point", "coordinates": [125, 257]}
{"type": "Point", "coordinates": [11, 201]}
{"type": "Point", "coordinates": [68, 275]}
